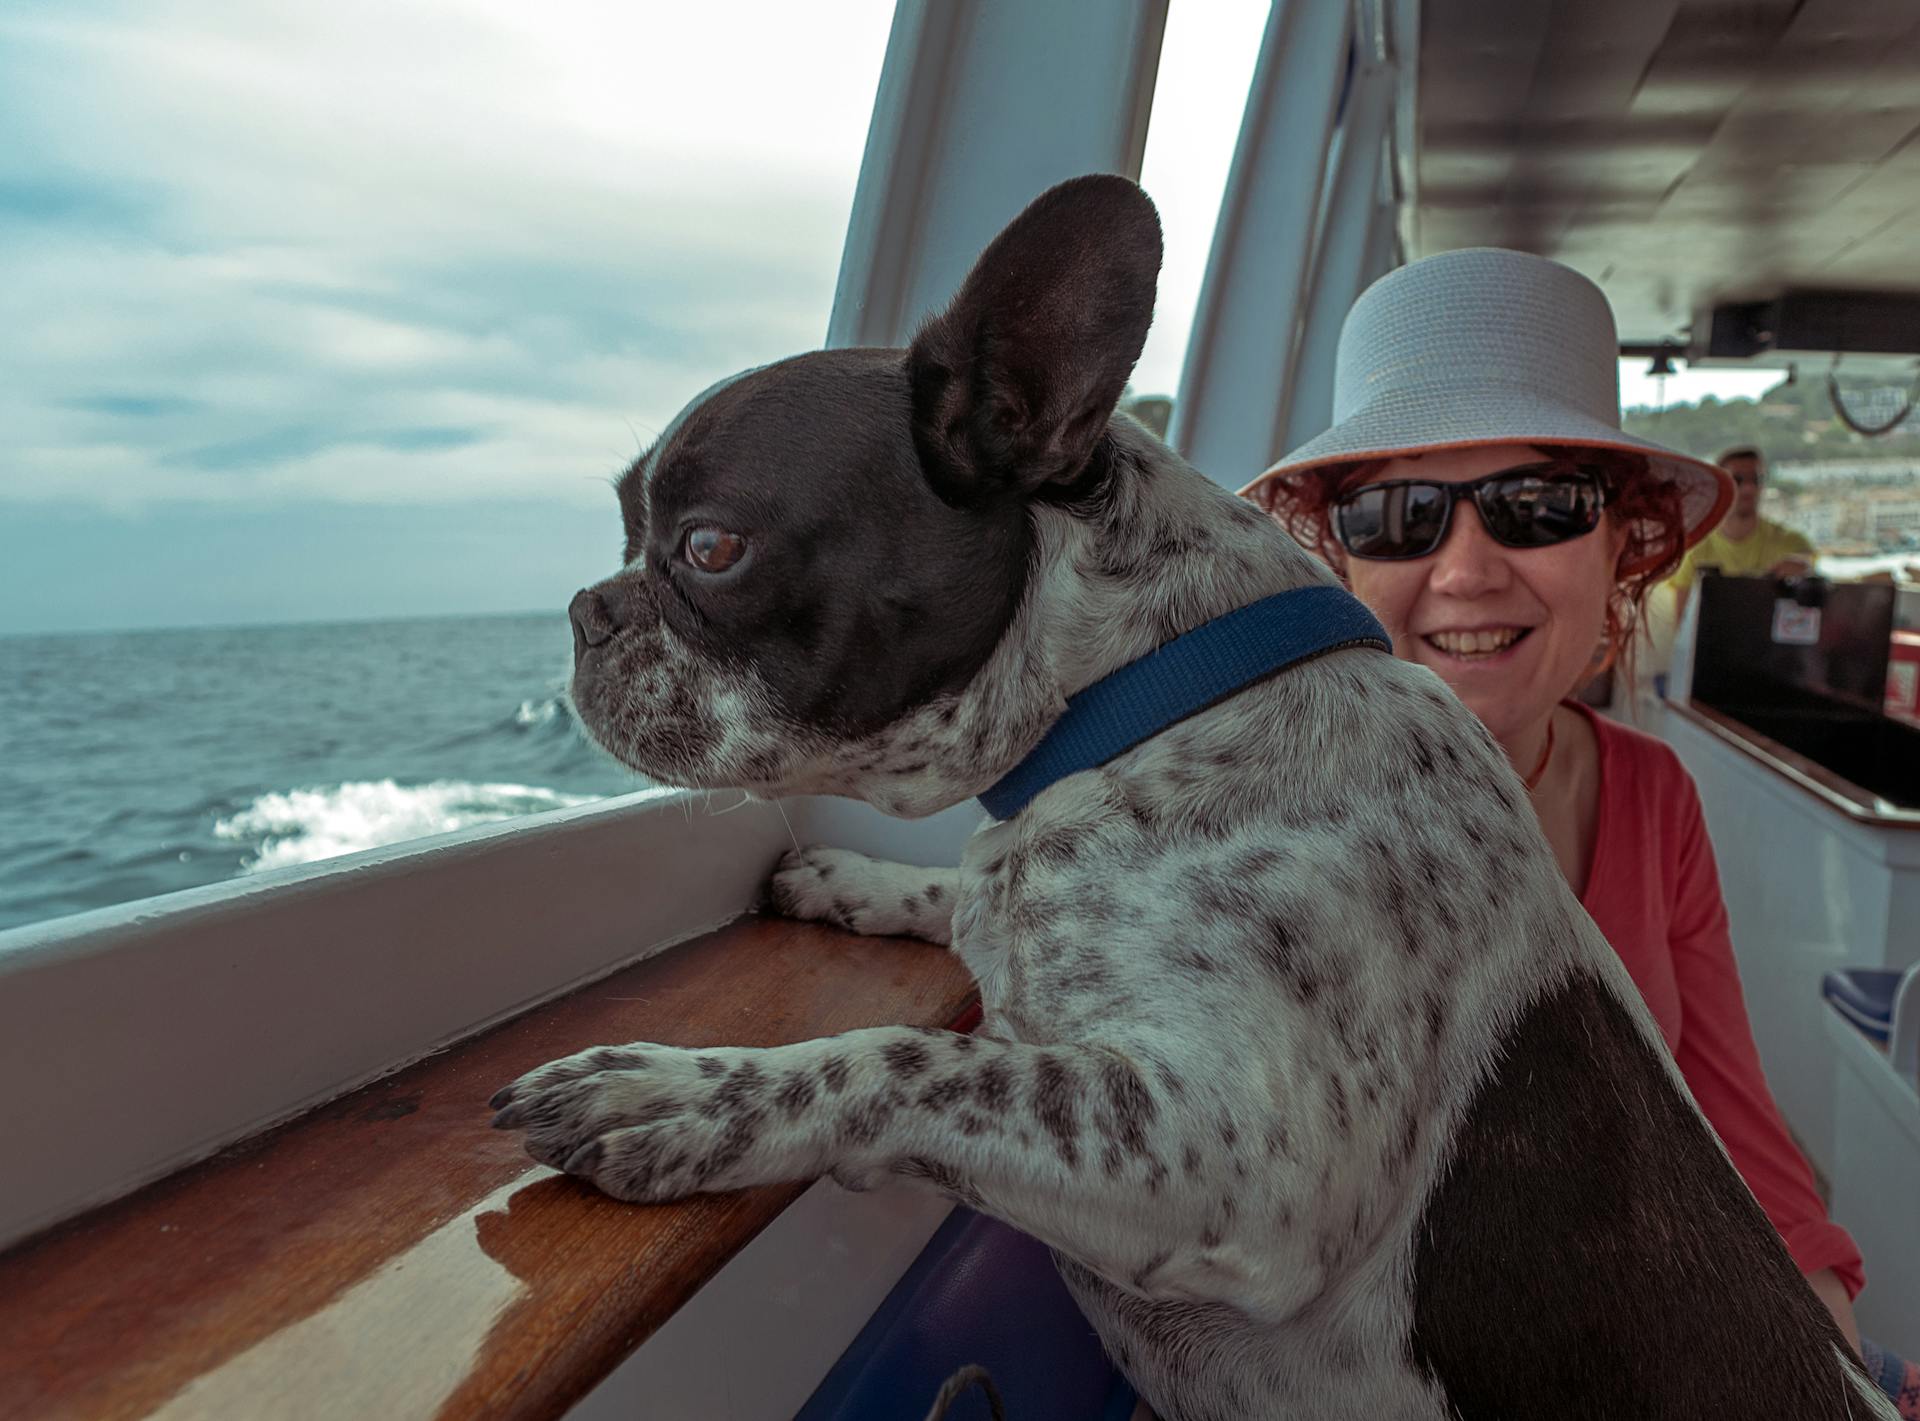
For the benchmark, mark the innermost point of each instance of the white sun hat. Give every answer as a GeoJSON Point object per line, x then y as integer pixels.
{"type": "Point", "coordinates": [1484, 346]}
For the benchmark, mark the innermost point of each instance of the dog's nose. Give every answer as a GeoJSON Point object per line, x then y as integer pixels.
{"type": "Point", "coordinates": [593, 624]}
{"type": "Point", "coordinates": [601, 612]}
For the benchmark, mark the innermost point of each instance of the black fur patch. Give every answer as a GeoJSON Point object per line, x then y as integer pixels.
{"type": "Point", "coordinates": [905, 1058]}
{"type": "Point", "coordinates": [1052, 1103]}
{"type": "Point", "coordinates": [938, 582]}
{"type": "Point", "coordinates": [862, 1124]}
{"type": "Point", "coordinates": [796, 1093]}
{"type": "Point", "coordinates": [946, 1093]}
{"type": "Point", "coordinates": [1594, 1214]}
{"type": "Point", "coordinates": [740, 1094]}
{"type": "Point", "coordinates": [993, 1086]}
{"type": "Point", "coordinates": [1133, 1108]}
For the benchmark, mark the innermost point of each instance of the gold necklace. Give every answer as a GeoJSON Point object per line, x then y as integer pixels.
{"type": "Point", "coordinates": [1546, 754]}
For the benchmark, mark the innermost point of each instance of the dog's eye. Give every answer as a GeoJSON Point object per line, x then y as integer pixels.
{"type": "Point", "coordinates": [714, 549]}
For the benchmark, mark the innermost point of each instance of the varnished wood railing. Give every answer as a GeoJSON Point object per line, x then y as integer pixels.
{"type": "Point", "coordinates": [391, 1256]}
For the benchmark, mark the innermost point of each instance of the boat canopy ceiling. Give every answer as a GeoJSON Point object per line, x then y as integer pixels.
{"type": "Point", "coordinates": [1683, 153]}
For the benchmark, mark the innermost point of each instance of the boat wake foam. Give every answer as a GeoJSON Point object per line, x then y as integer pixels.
{"type": "Point", "coordinates": [307, 825]}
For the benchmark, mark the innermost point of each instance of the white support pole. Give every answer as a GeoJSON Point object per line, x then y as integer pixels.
{"type": "Point", "coordinates": [1383, 243]}
{"type": "Point", "coordinates": [1240, 356]}
{"type": "Point", "coordinates": [1401, 24]}
{"type": "Point", "coordinates": [982, 105]}
{"type": "Point", "coordinates": [1342, 253]}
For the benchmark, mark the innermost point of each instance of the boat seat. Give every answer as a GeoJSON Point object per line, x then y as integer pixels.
{"type": "Point", "coordinates": [982, 1293]}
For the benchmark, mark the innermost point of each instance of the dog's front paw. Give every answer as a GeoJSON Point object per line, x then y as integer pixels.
{"type": "Point", "coordinates": [649, 1123]}
{"type": "Point", "coordinates": [865, 895]}
{"type": "Point", "coordinates": [803, 886]}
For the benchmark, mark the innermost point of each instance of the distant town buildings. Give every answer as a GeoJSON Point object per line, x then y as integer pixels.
{"type": "Point", "coordinates": [1852, 496]}
{"type": "Point", "coordinates": [1848, 507]}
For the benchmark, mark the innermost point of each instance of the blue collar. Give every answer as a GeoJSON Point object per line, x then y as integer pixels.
{"type": "Point", "coordinates": [1188, 674]}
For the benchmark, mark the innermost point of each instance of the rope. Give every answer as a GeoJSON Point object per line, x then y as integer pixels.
{"type": "Point", "coordinates": [1870, 431]}
{"type": "Point", "coordinates": [959, 1384]}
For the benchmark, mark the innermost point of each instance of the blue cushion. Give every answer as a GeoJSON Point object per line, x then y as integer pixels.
{"type": "Point", "coordinates": [985, 1293]}
{"type": "Point", "coordinates": [1864, 996]}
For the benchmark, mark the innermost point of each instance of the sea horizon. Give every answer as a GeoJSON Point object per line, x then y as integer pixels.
{"type": "Point", "coordinates": [145, 760]}
{"type": "Point", "coordinates": [245, 624]}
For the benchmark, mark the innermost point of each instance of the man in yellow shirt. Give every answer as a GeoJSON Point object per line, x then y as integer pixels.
{"type": "Point", "coordinates": [1745, 544]}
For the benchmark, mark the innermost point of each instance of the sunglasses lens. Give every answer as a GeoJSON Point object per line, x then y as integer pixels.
{"type": "Point", "coordinates": [1535, 511]}
{"type": "Point", "coordinates": [1400, 520]}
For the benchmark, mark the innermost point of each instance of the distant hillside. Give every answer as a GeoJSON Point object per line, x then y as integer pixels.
{"type": "Point", "coordinates": [1792, 421]}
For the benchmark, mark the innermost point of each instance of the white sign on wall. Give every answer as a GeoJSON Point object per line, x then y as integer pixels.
{"type": "Point", "coordinates": [1794, 625]}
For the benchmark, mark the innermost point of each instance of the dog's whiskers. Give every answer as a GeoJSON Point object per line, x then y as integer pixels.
{"type": "Point", "coordinates": [789, 823]}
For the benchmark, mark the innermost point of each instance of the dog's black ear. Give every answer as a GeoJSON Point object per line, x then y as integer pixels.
{"type": "Point", "coordinates": [1014, 382]}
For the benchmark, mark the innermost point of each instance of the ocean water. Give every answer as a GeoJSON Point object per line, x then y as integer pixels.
{"type": "Point", "coordinates": [135, 763]}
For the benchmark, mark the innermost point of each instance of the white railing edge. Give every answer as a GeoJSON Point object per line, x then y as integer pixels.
{"type": "Point", "coordinates": [145, 1037]}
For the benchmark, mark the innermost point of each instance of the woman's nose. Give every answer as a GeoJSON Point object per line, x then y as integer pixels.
{"type": "Point", "coordinates": [1468, 563]}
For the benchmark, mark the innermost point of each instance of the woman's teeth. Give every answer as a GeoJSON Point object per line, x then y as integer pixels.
{"type": "Point", "coordinates": [1480, 643]}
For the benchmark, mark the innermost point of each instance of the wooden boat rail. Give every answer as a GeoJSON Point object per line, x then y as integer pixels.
{"type": "Point", "coordinates": [390, 1255]}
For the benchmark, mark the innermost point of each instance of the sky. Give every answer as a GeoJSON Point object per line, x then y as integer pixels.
{"type": "Point", "coordinates": [1639, 390]}
{"type": "Point", "coordinates": [320, 312]}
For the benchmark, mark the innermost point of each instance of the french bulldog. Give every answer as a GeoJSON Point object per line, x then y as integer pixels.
{"type": "Point", "coordinates": [1297, 1048]}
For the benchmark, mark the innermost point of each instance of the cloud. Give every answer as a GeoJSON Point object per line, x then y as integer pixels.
{"type": "Point", "coordinates": [355, 309]}
{"type": "Point", "coordinates": [258, 251]}
{"type": "Point", "coordinates": [425, 252]}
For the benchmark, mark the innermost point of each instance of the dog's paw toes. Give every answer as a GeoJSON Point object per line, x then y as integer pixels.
{"type": "Point", "coordinates": [564, 1119]}
{"type": "Point", "coordinates": [811, 884]}
{"type": "Point", "coordinates": [649, 1123]}
{"type": "Point", "coordinates": [671, 1158]}
{"type": "Point", "coordinates": [567, 1068]}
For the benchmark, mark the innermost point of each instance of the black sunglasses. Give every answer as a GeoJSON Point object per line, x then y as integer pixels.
{"type": "Point", "coordinates": [1530, 506]}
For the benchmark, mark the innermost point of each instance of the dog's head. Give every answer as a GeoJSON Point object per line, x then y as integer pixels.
{"type": "Point", "coordinates": [823, 555]}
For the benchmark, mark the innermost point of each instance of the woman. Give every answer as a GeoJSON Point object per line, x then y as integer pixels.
{"type": "Point", "coordinates": [1476, 491]}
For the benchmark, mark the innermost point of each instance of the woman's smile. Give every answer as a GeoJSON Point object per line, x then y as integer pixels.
{"type": "Point", "coordinates": [1476, 645]}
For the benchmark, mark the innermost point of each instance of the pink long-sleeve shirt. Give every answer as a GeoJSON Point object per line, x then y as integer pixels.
{"type": "Point", "coordinates": [1654, 890]}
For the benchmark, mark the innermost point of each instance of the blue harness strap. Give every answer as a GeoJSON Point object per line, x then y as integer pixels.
{"type": "Point", "coordinates": [1188, 674]}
